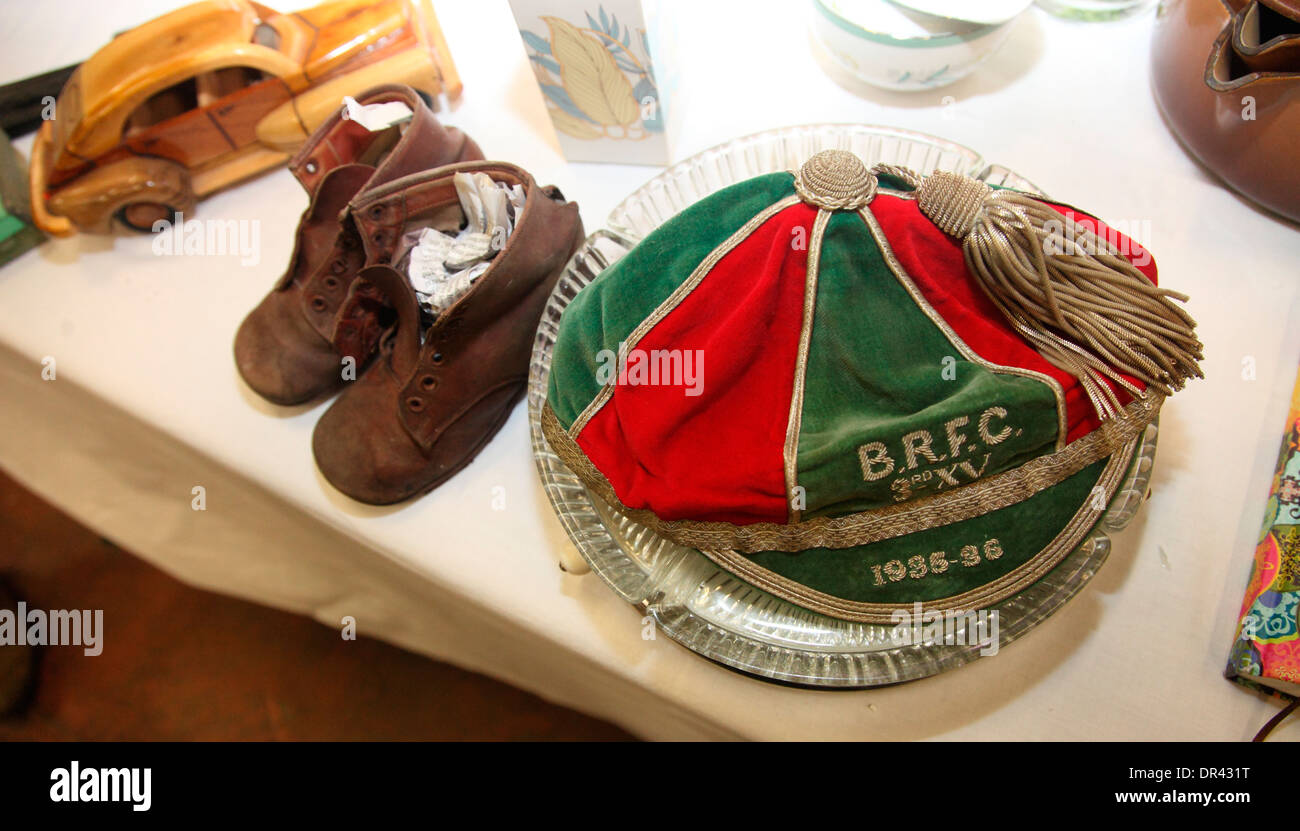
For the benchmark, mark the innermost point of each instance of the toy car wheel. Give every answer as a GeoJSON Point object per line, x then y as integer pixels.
{"type": "Point", "coordinates": [139, 191]}
{"type": "Point", "coordinates": [141, 216]}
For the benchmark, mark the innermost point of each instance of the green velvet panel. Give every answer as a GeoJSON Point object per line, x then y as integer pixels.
{"type": "Point", "coordinates": [929, 565]}
{"type": "Point", "coordinates": [882, 378]}
{"type": "Point", "coordinates": [894, 183]}
{"type": "Point", "coordinates": [606, 311]}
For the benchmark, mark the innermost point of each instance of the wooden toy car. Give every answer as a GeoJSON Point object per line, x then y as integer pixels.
{"type": "Point", "coordinates": [213, 93]}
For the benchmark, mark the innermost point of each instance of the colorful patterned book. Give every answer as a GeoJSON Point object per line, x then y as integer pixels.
{"type": "Point", "coordinates": [1266, 652]}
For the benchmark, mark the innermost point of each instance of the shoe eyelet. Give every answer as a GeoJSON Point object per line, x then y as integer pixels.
{"type": "Point", "coordinates": [338, 266]}
{"type": "Point", "coordinates": [415, 404]}
{"type": "Point", "coordinates": [318, 303]}
{"type": "Point", "coordinates": [311, 166]}
{"type": "Point", "coordinates": [331, 282]}
{"type": "Point", "coordinates": [428, 382]}
{"type": "Point", "coordinates": [436, 359]}
{"type": "Point", "coordinates": [377, 212]}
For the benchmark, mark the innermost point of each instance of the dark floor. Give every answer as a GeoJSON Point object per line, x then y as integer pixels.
{"type": "Point", "coordinates": [181, 663]}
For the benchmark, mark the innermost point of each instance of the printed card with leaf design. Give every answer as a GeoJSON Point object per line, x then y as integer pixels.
{"type": "Point", "coordinates": [593, 64]}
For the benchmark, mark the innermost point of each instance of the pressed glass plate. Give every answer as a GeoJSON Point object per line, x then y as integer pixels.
{"type": "Point", "coordinates": [690, 598]}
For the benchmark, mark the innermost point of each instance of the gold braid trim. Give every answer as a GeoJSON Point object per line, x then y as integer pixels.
{"type": "Point", "coordinates": [1011, 583]}
{"type": "Point", "coordinates": [993, 493]}
{"type": "Point", "coordinates": [794, 422]}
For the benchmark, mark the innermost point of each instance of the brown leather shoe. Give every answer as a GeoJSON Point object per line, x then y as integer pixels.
{"type": "Point", "coordinates": [284, 349]}
{"type": "Point", "coordinates": [424, 410]}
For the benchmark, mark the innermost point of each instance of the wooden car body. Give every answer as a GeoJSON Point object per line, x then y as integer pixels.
{"type": "Point", "coordinates": [215, 92]}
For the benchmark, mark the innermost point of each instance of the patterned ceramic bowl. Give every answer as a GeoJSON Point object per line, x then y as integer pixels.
{"type": "Point", "coordinates": [897, 48]}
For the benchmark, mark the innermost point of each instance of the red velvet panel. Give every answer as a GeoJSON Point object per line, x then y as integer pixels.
{"type": "Point", "coordinates": [723, 449]}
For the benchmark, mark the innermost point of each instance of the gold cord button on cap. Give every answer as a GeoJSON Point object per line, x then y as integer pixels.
{"type": "Point", "coordinates": [835, 180]}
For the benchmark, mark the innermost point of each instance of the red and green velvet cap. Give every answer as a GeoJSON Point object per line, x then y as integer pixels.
{"type": "Point", "coordinates": [861, 389]}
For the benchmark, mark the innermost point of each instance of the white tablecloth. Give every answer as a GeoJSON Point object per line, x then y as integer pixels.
{"type": "Point", "coordinates": [147, 403]}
